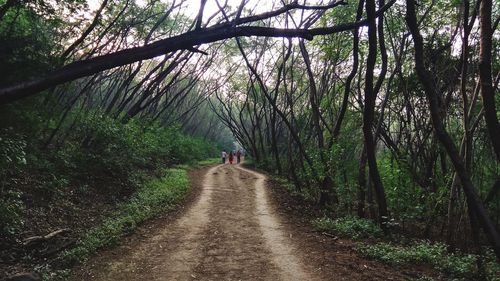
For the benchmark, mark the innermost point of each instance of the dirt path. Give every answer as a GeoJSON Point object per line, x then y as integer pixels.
{"type": "Point", "coordinates": [233, 228]}
{"type": "Point", "coordinates": [228, 233]}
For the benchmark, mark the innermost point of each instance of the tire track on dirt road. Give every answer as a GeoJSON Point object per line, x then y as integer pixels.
{"type": "Point", "coordinates": [282, 251]}
{"type": "Point", "coordinates": [230, 233]}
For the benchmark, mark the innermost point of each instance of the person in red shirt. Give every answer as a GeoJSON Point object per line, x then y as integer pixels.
{"type": "Point", "coordinates": [231, 157]}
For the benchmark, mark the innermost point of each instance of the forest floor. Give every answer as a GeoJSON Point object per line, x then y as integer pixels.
{"type": "Point", "coordinates": [231, 228]}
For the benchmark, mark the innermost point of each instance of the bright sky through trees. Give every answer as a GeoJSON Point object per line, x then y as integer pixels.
{"type": "Point", "coordinates": [191, 7]}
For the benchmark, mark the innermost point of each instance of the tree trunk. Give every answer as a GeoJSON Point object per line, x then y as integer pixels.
{"type": "Point", "coordinates": [368, 114]}
{"type": "Point", "coordinates": [361, 184]}
{"type": "Point", "coordinates": [490, 112]}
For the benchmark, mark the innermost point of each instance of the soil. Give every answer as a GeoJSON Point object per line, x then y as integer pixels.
{"type": "Point", "coordinates": [76, 207]}
{"type": "Point", "coordinates": [235, 225]}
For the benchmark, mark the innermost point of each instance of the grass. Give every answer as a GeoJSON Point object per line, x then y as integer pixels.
{"type": "Point", "coordinates": [210, 161]}
{"type": "Point", "coordinates": [155, 197]}
{"type": "Point", "coordinates": [350, 227]}
{"type": "Point", "coordinates": [455, 265]}
{"type": "Point", "coordinates": [307, 194]}
{"type": "Point", "coordinates": [452, 266]}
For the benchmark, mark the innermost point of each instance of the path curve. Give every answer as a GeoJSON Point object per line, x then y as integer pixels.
{"type": "Point", "coordinates": [230, 233]}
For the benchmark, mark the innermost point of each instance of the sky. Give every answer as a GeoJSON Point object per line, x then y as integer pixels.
{"type": "Point", "coordinates": [192, 6]}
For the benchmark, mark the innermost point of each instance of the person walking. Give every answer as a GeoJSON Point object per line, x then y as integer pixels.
{"type": "Point", "coordinates": [238, 156]}
{"type": "Point", "coordinates": [231, 157]}
{"type": "Point", "coordinates": [224, 155]}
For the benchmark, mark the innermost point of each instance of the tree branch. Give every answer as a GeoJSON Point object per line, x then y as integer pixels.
{"type": "Point", "coordinates": [87, 31]}
{"type": "Point", "coordinates": [186, 40]}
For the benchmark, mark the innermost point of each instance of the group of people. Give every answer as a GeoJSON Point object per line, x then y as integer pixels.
{"type": "Point", "coordinates": [231, 156]}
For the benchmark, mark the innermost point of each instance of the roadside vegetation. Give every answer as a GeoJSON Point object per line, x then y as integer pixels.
{"type": "Point", "coordinates": [398, 250]}
{"type": "Point", "coordinates": [394, 245]}
{"type": "Point", "coordinates": [101, 175]}
{"type": "Point", "coordinates": [350, 227]}
{"type": "Point", "coordinates": [452, 266]}
{"type": "Point", "coordinates": [153, 198]}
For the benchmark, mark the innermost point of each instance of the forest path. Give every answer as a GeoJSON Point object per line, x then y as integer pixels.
{"type": "Point", "coordinates": [235, 225]}
{"type": "Point", "coordinates": [230, 232]}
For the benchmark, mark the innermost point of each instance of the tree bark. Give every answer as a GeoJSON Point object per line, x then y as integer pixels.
{"type": "Point", "coordinates": [368, 114]}
{"type": "Point", "coordinates": [485, 43]}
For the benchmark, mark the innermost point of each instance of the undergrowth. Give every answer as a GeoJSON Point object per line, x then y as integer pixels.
{"type": "Point", "coordinates": [207, 162]}
{"type": "Point", "coordinates": [455, 265]}
{"type": "Point", "coordinates": [350, 227]}
{"type": "Point", "coordinates": [99, 152]}
{"type": "Point", "coordinates": [154, 198]}
{"type": "Point", "coordinates": [307, 194]}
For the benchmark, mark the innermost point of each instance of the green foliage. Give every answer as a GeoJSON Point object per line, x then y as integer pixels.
{"type": "Point", "coordinates": [344, 159]}
{"type": "Point", "coordinates": [12, 150]}
{"type": "Point", "coordinates": [107, 142]}
{"type": "Point", "coordinates": [285, 183]}
{"type": "Point", "coordinates": [492, 266]}
{"type": "Point", "coordinates": [26, 44]}
{"type": "Point", "coordinates": [308, 194]}
{"type": "Point", "coordinates": [424, 252]}
{"type": "Point", "coordinates": [207, 162]}
{"type": "Point", "coordinates": [397, 182]}
{"type": "Point", "coordinates": [10, 213]}
{"type": "Point", "coordinates": [53, 187]}
{"type": "Point", "coordinates": [98, 150]}
{"type": "Point", "coordinates": [350, 227]}
{"type": "Point", "coordinates": [154, 198]}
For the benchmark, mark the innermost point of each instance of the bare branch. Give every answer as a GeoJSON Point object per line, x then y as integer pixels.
{"type": "Point", "coordinates": [87, 31]}
{"type": "Point", "coordinates": [199, 18]}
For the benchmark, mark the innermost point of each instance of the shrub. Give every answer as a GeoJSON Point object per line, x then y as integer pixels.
{"type": "Point", "coordinates": [351, 227]}
{"type": "Point", "coordinates": [12, 151]}
{"type": "Point", "coordinates": [53, 187]}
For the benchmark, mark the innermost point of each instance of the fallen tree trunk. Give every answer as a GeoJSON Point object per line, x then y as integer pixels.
{"type": "Point", "coordinates": [39, 239]}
